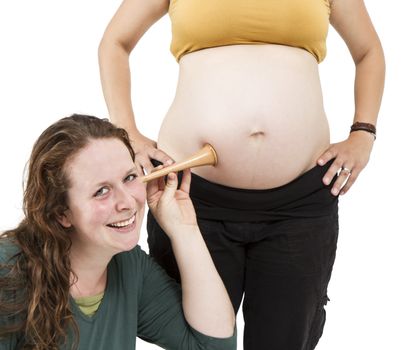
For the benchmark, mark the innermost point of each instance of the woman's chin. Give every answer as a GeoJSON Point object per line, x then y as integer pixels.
{"type": "Point", "coordinates": [125, 241]}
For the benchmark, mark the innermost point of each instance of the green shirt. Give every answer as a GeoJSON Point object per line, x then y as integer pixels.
{"type": "Point", "coordinates": [140, 300]}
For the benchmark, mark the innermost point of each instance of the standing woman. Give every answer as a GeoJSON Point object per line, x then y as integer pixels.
{"type": "Point", "coordinates": [249, 85]}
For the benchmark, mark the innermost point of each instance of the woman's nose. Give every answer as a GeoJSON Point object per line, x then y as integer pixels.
{"type": "Point", "coordinates": [125, 200]}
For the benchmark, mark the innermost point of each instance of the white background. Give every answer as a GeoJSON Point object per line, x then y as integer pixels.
{"type": "Point", "coordinates": [49, 69]}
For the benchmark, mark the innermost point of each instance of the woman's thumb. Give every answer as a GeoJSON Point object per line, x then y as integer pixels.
{"type": "Point", "coordinates": [170, 187]}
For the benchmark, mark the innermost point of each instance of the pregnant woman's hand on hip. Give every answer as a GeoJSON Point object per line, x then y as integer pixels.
{"type": "Point", "coordinates": [145, 150]}
{"type": "Point", "coordinates": [351, 157]}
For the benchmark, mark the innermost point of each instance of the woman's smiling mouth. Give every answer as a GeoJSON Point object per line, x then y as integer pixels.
{"type": "Point", "coordinates": [123, 224]}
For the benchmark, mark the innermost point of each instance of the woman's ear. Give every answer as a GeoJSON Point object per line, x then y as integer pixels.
{"type": "Point", "coordinates": [64, 220]}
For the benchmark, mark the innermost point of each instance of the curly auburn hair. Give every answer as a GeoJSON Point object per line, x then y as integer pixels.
{"type": "Point", "coordinates": [35, 282]}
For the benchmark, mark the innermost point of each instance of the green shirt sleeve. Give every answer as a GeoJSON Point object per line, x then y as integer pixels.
{"type": "Point", "coordinates": [161, 320]}
{"type": "Point", "coordinates": [9, 343]}
{"type": "Point", "coordinates": [7, 251]}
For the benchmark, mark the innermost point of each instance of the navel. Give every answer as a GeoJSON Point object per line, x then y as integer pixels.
{"type": "Point", "coordinates": [257, 134]}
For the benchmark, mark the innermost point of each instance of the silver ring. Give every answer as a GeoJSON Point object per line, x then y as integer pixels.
{"type": "Point", "coordinates": [346, 170]}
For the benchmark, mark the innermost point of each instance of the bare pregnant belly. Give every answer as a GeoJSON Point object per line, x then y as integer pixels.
{"type": "Point", "coordinates": [259, 106]}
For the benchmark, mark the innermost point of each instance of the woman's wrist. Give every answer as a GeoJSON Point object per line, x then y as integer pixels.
{"type": "Point", "coordinates": [364, 136]}
{"type": "Point", "coordinates": [364, 127]}
{"type": "Point", "coordinates": [184, 233]}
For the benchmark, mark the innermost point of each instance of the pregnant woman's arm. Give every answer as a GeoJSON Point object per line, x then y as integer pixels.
{"type": "Point", "coordinates": [131, 21]}
{"type": "Point", "coordinates": [351, 20]}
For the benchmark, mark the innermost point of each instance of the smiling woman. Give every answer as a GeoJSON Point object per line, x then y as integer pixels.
{"type": "Point", "coordinates": [74, 261]}
{"type": "Point", "coordinates": [106, 203]}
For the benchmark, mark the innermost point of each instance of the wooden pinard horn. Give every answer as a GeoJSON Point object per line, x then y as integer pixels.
{"type": "Point", "coordinates": [205, 156]}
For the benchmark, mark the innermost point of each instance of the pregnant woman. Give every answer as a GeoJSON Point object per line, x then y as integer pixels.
{"type": "Point", "coordinates": [249, 85]}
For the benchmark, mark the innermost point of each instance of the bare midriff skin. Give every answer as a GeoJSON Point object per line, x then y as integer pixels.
{"type": "Point", "coordinates": [259, 106]}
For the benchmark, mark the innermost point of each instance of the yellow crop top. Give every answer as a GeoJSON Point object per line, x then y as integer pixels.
{"type": "Point", "coordinates": [201, 24]}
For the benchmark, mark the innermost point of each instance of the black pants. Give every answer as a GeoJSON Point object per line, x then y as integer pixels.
{"type": "Point", "coordinates": [276, 247]}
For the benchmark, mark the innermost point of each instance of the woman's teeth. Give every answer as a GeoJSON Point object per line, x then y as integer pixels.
{"type": "Point", "coordinates": [123, 223]}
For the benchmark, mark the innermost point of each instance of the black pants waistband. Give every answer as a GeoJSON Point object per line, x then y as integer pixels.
{"type": "Point", "coordinates": [306, 196]}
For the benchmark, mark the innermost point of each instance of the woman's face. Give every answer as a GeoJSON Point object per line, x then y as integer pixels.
{"type": "Point", "coordinates": [105, 200]}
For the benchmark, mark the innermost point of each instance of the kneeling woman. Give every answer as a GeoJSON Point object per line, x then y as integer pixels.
{"type": "Point", "coordinates": [72, 275]}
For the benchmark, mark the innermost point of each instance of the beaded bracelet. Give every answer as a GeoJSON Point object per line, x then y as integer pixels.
{"type": "Point", "coordinates": [364, 127]}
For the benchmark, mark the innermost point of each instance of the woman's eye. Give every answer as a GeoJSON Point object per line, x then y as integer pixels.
{"type": "Point", "coordinates": [130, 177]}
{"type": "Point", "coordinates": [101, 192]}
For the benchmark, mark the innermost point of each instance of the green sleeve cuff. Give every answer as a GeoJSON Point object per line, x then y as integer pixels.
{"type": "Point", "coordinates": [212, 343]}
